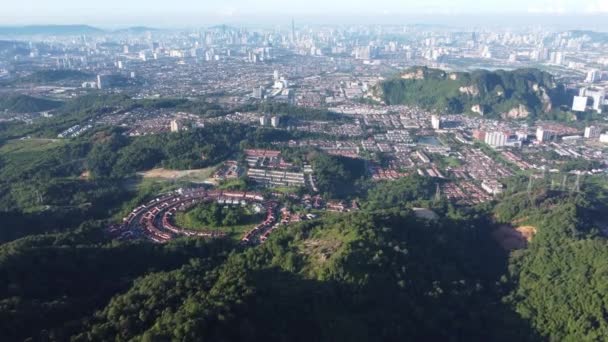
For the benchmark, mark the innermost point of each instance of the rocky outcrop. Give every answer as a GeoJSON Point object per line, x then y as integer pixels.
{"type": "Point", "coordinates": [546, 100]}
{"type": "Point", "coordinates": [415, 75]}
{"type": "Point", "coordinates": [477, 109]}
{"type": "Point", "coordinates": [470, 90]}
{"type": "Point", "coordinates": [519, 112]}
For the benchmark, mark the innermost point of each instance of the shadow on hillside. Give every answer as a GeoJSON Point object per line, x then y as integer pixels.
{"type": "Point", "coordinates": [287, 307]}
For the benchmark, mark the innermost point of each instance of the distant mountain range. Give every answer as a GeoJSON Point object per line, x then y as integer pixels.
{"type": "Point", "coordinates": [65, 30]}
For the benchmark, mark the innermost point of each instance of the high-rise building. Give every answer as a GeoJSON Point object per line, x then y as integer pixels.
{"type": "Point", "coordinates": [435, 122]}
{"type": "Point", "coordinates": [176, 126]}
{"type": "Point", "coordinates": [592, 132]}
{"type": "Point", "coordinates": [486, 52]}
{"type": "Point", "coordinates": [598, 96]}
{"type": "Point", "coordinates": [100, 82]}
{"type": "Point", "coordinates": [275, 121]}
{"type": "Point", "coordinates": [258, 92]}
{"type": "Point", "coordinates": [366, 52]}
{"type": "Point", "coordinates": [496, 139]}
{"type": "Point", "coordinates": [593, 76]}
{"type": "Point", "coordinates": [557, 57]}
{"type": "Point", "coordinates": [579, 104]}
{"type": "Point", "coordinates": [263, 120]}
{"type": "Point", "coordinates": [543, 135]}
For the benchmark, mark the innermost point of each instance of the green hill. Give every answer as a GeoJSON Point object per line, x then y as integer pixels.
{"type": "Point", "coordinates": [27, 104]}
{"type": "Point", "coordinates": [518, 94]}
{"type": "Point", "coordinates": [52, 76]}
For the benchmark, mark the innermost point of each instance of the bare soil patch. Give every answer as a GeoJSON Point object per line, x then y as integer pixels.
{"type": "Point", "coordinates": [511, 238]}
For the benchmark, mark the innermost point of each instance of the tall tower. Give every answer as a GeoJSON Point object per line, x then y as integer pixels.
{"type": "Point", "coordinates": [293, 30]}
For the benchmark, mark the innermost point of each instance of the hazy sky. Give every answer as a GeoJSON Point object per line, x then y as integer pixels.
{"type": "Point", "coordinates": [112, 12]}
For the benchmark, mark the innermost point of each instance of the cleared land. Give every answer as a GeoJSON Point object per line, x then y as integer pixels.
{"type": "Point", "coordinates": [29, 145]}
{"type": "Point", "coordinates": [195, 176]}
{"type": "Point", "coordinates": [511, 238]}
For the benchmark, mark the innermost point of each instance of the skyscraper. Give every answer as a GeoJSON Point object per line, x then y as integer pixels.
{"type": "Point", "coordinates": [436, 122]}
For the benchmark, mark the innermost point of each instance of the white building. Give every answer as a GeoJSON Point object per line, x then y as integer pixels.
{"type": "Point", "coordinates": [263, 120]}
{"type": "Point", "coordinates": [543, 135]}
{"type": "Point", "coordinates": [258, 92]}
{"type": "Point", "coordinates": [435, 122]}
{"type": "Point", "coordinates": [100, 82]}
{"type": "Point", "coordinates": [579, 104]}
{"type": "Point", "coordinates": [604, 138]}
{"type": "Point", "coordinates": [176, 126]}
{"type": "Point", "coordinates": [275, 121]}
{"type": "Point", "coordinates": [89, 85]}
{"type": "Point", "coordinates": [492, 187]}
{"type": "Point", "coordinates": [593, 76]}
{"type": "Point", "coordinates": [557, 57]}
{"type": "Point", "coordinates": [496, 139]}
{"type": "Point", "coordinates": [592, 132]}
{"type": "Point", "coordinates": [598, 96]}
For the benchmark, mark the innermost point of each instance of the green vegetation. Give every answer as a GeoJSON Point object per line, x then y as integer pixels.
{"type": "Point", "coordinates": [378, 274]}
{"type": "Point", "coordinates": [292, 113]}
{"type": "Point", "coordinates": [54, 76]}
{"type": "Point", "coordinates": [495, 92]}
{"type": "Point", "coordinates": [415, 190]}
{"type": "Point", "coordinates": [339, 177]}
{"type": "Point", "coordinates": [71, 275]}
{"type": "Point", "coordinates": [560, 280]}
{"type": "Point", "coordinates": [27, 104]}
{"type": "Point", "coordinates": [68, 182]}
{"type": "Point", "coordinates": [210, 216]}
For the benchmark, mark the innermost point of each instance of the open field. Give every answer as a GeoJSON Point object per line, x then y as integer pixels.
{"type": "Point", "coordinates": [29, 145]}
{"type": "Point", "coordinates": [195, 176]}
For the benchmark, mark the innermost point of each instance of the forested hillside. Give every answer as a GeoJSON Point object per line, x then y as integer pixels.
{"type": "Point", "coordinates": [381, 272]}
{"type": "Point", "coordinates": [26, 104]}
{"type": "Point", "coordinates": [378, 274]}
{"type": "Point", "coordinates": [561, 280]}
{"type": "Point", "coordinates": [53, 76]}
